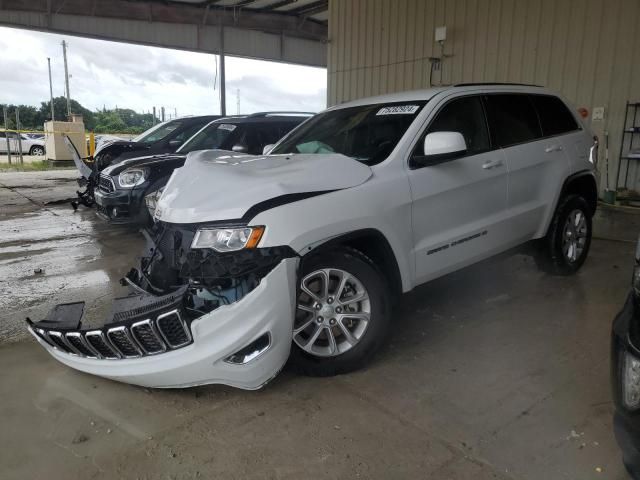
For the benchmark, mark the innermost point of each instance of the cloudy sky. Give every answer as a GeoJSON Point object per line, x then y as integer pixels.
{"type": "Point", "coordinates": [140, 77]}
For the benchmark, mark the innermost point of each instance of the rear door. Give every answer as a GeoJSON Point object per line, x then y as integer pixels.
{"type": "Point", "coordinates": [536, 164]}
{"type": "Point", "coordinates": [459, 206]}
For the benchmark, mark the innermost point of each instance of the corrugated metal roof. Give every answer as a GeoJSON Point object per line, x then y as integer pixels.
{"type": "Point", "coordinates": [316, 10]}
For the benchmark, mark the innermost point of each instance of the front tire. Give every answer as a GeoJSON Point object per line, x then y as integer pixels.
{"type": "Point", "coordinates": [342, 315]}
{"type": "Point", "coordinates": [566, 245]}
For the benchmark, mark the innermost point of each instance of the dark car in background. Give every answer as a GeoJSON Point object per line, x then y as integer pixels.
{"type": "Point", "coordinates": [128, 190]}
{"type": "Point", "coordinates": [165, 137]}
{"type": "Point", "coordinates": [625, 374]}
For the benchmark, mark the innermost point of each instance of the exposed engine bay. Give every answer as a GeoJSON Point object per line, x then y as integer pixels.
{"type": "Point", "coordinates": [212, 279]}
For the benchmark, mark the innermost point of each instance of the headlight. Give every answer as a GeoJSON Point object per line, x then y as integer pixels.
{"type": "Point", "coordinates": [630, 381]}
{"type": "Point", "coordinates": [132, 177]}
{"type": "Point", "coordinates": [227, 239]}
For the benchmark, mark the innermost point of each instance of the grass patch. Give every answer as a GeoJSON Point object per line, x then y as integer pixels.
{"type": "Point", "coordinates": [38, 166]}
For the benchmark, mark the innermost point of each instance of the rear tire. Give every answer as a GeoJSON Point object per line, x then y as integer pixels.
{"type": "Point", "coordinates": [333, 342]}
{"type": "Point", "coordinates": [565, 247]}
{"type": "Point", "coordinates": [37, 151]}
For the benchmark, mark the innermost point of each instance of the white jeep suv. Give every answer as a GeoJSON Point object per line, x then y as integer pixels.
{"type": "Point", "coordinates": [299, 254]}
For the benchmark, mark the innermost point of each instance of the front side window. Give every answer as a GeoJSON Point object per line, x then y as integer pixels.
{"type": "Point", "coordinates": [512, 119]}
{"type": "Point", "coordinates": [214, 136]}
{"type": "Point", "coordinates": [367, 133]}
{"type": "Point", "coordinates": [555, 117]}
{"type": "Point", "coordinates": [466, 116]}
{"type": "Point", "coordinates": [159, 132]}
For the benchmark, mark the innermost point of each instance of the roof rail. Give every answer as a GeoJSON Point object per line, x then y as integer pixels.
{"type": "Point", "coordinates": [481, 84]}
{"type": "Point", "coordinates": [266, 114]}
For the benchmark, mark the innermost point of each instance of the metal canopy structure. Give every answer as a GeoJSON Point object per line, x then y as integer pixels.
{"type": "Point", "coordinates": [291, 31]}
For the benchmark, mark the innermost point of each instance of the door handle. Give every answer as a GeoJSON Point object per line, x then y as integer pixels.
{"type": "Point", "coordinates": [492, 164]}
{"type": "Point", "coordinates": [553, 148]}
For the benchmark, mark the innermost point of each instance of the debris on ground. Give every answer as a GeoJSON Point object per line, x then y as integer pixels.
{"type": "Point", "coordinates": [38, 271]}
{"type": "Point", "coordinates": [79, 438]}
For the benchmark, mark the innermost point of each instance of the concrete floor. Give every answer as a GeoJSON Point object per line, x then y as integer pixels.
{"type": "Point", "coordinates": [494, 372]}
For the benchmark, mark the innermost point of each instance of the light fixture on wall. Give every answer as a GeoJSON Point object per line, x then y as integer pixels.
{"type": "Point", "coordinates": [436, 62]}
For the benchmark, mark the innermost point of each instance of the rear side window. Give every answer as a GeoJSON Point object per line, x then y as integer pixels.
{"type": "Point", "coordinates": [554, 115]}
{"type": "Point", "coordinates": [512, 119]}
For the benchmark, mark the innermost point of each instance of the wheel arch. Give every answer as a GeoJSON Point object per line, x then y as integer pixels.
{"type": "Point", "coordinates": [584, 184]}
{"type": "Point", "coordinates": [373, 244]}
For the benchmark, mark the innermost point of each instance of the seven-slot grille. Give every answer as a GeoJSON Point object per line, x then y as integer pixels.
{"type": "Point", "coordinates": [146, 337]}
{"type": "Point", "coordinates": [105, 184]}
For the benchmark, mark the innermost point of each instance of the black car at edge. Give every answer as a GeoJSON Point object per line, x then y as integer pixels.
{"type": "Point", "coordinates": [625, 375]}
{"type": "Point", "coordinates": [128, 190]}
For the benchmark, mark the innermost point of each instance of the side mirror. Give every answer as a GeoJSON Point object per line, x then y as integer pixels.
{"type": "Point", "coordinates": [175, 143]}
{"type": "Point", "coordinates": [440, 147]}
{"type": "Point", "coordinates": [239, 148]}
{"type": "Point", "coordinates": [267, 149]}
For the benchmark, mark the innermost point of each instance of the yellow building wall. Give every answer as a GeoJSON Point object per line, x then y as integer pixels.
{"type": "Point", "coordinates": [589, 50]}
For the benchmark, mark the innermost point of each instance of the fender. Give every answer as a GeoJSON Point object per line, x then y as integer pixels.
{"type": "Point", "coordinates": [372, 243]}
{"type": "Point", "coordinates": [580, 176]}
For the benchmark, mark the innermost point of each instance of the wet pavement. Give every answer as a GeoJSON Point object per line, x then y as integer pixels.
{"type": "Point", "coordinates": [494, 372]}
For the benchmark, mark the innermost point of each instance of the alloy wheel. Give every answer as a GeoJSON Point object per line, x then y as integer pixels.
{"type": "Point", "coordinates": [574, 236]}
{"type": "Point", "coordinates": [333, 312]}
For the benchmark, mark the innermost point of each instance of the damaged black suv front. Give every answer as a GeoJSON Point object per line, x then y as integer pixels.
{"type": "Point", "coordinates": [183, 323]}
{"type": "Point", "coordinates": [625, 374]}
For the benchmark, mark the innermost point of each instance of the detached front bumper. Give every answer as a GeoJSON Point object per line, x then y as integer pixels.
{"type": "Point", "coordinates": [168, 351]}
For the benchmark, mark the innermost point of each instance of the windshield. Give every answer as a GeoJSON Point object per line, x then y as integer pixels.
{"type": "Point", "coordinates": [213, 136]}
{"type": "Point", "coordinates": [366, 133]}
{"type": "Point", "coordinates": [158, 132]}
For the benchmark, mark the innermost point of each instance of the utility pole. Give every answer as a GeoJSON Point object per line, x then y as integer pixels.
{"type": "Point", "coordinates": [223, 90]}
{"type": "Point", "coordinates": [238, 101]}
{"type": "Point", "coordinates": [66, 78]}
{"type": "Point", "coordinates": [154, 116]}
{"type": "Point", "coordinates": [51, 89]}
{"type": "Point", "coordinates": [175, 112]}
{"type": "Point", "coordinates": [6, 133]}
{"type": "Point", "coordinates": [162, 113]}
{"type": "Point", "coordinates": [18, 136]}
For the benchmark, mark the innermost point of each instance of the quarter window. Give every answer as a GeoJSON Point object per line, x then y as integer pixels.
{"type": "Point", "coordinates": [512, 119]}
{"type": "Point", "coordinates": [555, 117]}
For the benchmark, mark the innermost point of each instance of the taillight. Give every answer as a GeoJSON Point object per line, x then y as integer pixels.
{"type": "Point", "coordinates": [593, 151]}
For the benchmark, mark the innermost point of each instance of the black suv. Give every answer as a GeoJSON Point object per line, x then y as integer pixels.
{"type": "Point", "coordinates": [166, 137]}
{"type": "Point", "coordinates": [128, 190]}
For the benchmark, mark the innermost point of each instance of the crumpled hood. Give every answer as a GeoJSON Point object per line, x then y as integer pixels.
{"type": "Point", "coordinates": [219, 185]}
{"type": "Point", "coordinates": [146, 161]}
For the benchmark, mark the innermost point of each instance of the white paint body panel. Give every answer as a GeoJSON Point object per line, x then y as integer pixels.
{"type": "Point", "coordinates": [219, 185]}
{"type": "Point", "coordinates": [216, 335]}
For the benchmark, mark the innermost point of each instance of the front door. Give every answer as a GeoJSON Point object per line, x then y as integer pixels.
{"type": "Point", "coordinates": [459, 206]}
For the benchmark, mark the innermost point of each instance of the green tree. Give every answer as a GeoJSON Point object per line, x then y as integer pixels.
{"type": "Point", "coordinates": [60, 111]}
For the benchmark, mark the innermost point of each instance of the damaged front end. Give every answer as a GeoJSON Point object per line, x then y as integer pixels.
{"type": "Point", "coordinates": [192, 316]}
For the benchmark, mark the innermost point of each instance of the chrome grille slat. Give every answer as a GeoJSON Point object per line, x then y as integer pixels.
{"type": "Point", "coordinates": [173, 330]}
{"type": "Point", "coordinates": [58, 340]}
{"type": "Point", "coordinates": [148, 338]}
{"type": "Point", "coordinates": [76, 340]}
{"type": "Point", "coordinates": [44, 336]}
{"type": "Point", "coordinates": [123, 342]}
{"type": "Point", "coordinates": [99, 342]}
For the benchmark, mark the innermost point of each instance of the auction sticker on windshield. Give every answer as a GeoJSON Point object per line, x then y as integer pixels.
{"type": "Point", "coordinates": [399, 110]}
{"type": "Point", "coordinates": [227, 126]}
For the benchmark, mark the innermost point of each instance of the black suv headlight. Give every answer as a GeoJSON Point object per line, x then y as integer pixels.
{"type": "Point", "coordinates": [132, 177]}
